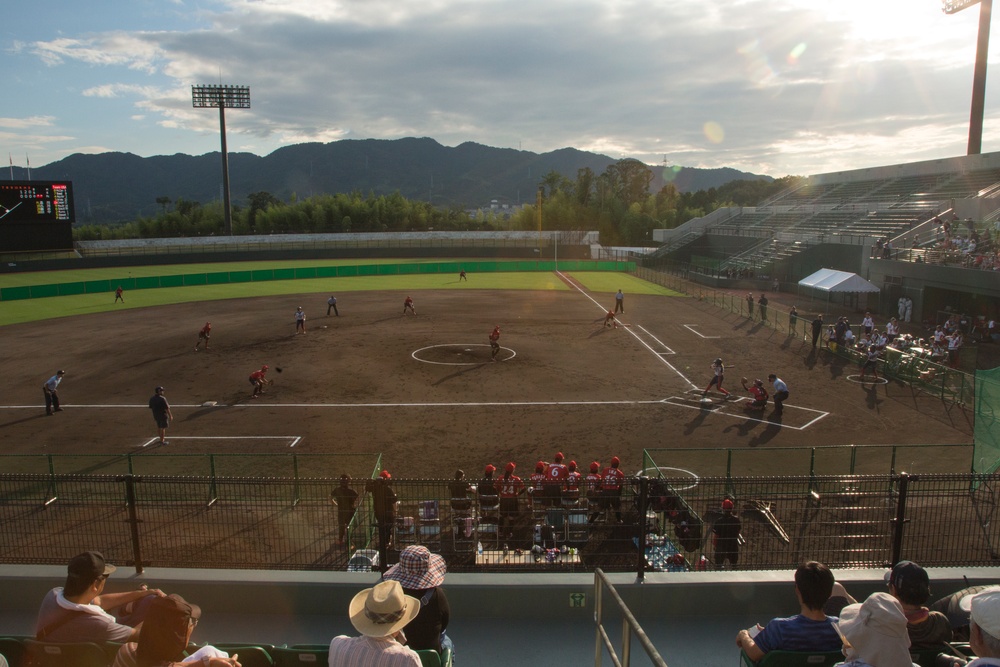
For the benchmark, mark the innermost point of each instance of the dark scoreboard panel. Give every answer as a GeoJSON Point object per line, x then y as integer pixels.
{"type": "Point", "coordinates": [36, 215]}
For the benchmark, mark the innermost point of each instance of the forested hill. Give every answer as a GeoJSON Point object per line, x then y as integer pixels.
{"type": "Point", "coordinates": [113, 187]}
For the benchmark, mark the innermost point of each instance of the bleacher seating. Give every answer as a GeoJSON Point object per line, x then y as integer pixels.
{"type": "Point", "coordinates": [794, 659]}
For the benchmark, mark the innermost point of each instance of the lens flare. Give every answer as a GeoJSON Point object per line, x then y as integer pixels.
{"type": "Point", "coordinates": [713, 132]}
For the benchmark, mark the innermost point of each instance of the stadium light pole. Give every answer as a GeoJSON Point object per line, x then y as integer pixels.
{"type": "Point", "coordinates": [224, 97]}
{"type": "Point", "coordinates": [979, 75]}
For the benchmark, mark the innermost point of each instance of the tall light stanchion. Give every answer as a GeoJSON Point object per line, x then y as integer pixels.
{"type": "Point", "coordinates": [979, 74]}
{"type": "Point", "coordinates": [224, 97]}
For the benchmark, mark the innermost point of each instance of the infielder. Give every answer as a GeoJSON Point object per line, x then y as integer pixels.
{"type": "Point", "coordinates": [494, 342]}
{"type": "Point", "coordinates": [408, 305]}
{"type": "Point", "coordinates": [204, 335]}
{"type": "Point", "coordinates": [258, 379]}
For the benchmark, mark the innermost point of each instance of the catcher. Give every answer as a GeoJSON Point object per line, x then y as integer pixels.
{"type": "Point", "coordinates": [757, 392]}
{"type": "Point", "coordinates": [259, 380]}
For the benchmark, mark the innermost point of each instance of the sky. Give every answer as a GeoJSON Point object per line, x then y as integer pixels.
{"type": "Point", "coordinates": [776, 87]}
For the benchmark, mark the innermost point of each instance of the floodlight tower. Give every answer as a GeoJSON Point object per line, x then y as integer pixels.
{"type": "Point", "coordinates": [224, 97]}
{"type": "Point", "coordinates": [979, 75]}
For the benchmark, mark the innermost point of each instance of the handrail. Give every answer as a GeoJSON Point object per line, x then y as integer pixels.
{"type": "Point", "coordinates": [629, 625]}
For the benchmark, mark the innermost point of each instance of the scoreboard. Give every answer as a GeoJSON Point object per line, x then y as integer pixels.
{"type": "Point", "coordinates": [36, 215]}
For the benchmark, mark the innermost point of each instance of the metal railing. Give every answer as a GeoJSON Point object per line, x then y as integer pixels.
{"type": "Point", "coordinates": [630, 626]}
{"type": "Point", "coordinates": [659, 524]}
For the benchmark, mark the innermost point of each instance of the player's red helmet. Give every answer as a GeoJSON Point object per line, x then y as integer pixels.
{"type": "Point", "coordinates": [559, 457]}
{"type": "Point", "coordinates": [727, 504]}
{"type": "Point", "coordinates": [385, 474]}
{"type": "Point", "coordinates": [264, 367]}
{"type": "Point", "coordinates": [615, 461]}
{"type": "Point", "coordinates": [208, 324]}
{"type": "Point", "coordinates": [595, 466]}
{"type": "Point", "coordinates": [540, 466]}
{"type": "Point", "coordinates": [489, 469]}
{"type": "Point", "coordinates": [571, 465]}
{"type": "Point", "coordinates": [510, 467]}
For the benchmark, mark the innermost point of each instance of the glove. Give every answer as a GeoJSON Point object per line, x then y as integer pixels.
{"type": "Point", "coordinates": [744, 381]}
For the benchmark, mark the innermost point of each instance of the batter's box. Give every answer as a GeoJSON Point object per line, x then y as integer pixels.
{"type": "Point", "coordinates": [793, 416]}
{"type": "Point", "coordinates": [285, 441]}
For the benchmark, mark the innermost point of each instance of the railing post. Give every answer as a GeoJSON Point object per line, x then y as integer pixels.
{"type": "Point", "coordinates": [52, 482]}
{"type": "Point", "coordinates": [900, 520]}
{"type": "Point", "coordinates": [643, 506]}
{"type": "Point", "coordinates": [213, 491]}
{"type": "Point", "coordinates": [598, 615]}
{"type": "Point", "coordinates": [133, 521]}
{"type": "Point", "coordinates": [295, 473]}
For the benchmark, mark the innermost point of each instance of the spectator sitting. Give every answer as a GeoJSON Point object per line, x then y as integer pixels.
{"type": "Point", "coordinates": [810, 630]}
{"type": "Point", "coordinates": [421, 574]}
{"type": "Point", "coordinates": [984, 630]}
{"type": "Point", "coordinates": [875, 633]}
{"type": "Point", "coordinates": [460, 488]}
{"type": "Point", "coordinates": [165, 636]}
{"type": "Point", "coordinates": [379, 613]}
{"type": "Point", "coordinates": [78, 612]}
{"type": "Point", "coordinates": [909, 583]}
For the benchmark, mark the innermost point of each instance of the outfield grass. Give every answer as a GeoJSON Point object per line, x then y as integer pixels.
{"type": "Point", "coordinates": [32, 310]}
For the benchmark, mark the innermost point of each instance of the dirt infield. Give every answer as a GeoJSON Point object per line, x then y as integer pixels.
{"type": "Point", "coordinates": [421, 390]}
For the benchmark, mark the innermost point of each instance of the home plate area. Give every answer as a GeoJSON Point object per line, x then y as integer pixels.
{"type": "Point", "coordinates": [736, 406]}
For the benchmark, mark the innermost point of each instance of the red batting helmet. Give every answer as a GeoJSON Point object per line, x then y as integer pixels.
{"type": "Point", "coordinates": [540, 466]}
{"type": "Point", "coordinates": [595, 466]}
{"type": "Point", "coordinates": [510, 467]}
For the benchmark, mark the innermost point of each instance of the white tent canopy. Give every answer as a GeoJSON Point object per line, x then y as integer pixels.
{"type": "Point", "coordinates": [829, 280]}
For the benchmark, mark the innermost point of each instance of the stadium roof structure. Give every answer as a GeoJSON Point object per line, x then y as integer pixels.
{"type": "Point", "coordinates": [830, 280]}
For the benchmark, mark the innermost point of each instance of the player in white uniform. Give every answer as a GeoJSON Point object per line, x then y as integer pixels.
{"type": "Point", "coordinates": [720, 373]}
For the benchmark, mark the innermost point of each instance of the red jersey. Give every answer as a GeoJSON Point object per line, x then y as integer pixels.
{"type": "Point", "coordinates": [573, 480]}
{"type": "Point", "coordinates": [258, 375]}
{"type": "Point", "coordinates": [536, 480]}
{"type": "Point", "coordinates": [759, 393]}
{"type": "Point", "coordinates": [612, 479]}
{"type": "Point", "coordinates": [408, 302]}
{"type": "Point", "coordinates": [206, 330]}
{"type": "Point", "coordinates": [555, 473]}
{"type": "Point", "coordinates": [495, 336]}
{"type": "Point", "coordinates": [593, 482]}
{"type": "Point", "coordinates": [510, 487]}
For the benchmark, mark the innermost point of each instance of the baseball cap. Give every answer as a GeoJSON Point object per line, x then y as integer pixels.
{"type": "Point", "coordinates": [559, 457]}
{"type": "Point", "coordinates": [727, 504]}
{"type": "Point", "coordinates": [615, 460]}
{"type": "Point", "coordinates": [986, 611]}
{"type": "Point", "coordinates": [910, 581]}
{"type": "Point", "coordinates": [172, 606]}
{"type": "Point", "coordinates": [490, 468]}
{"type": "Point", "coordinates": [385, 474]}
{"type": "Point", "coordinates": [595, 466]}
{"type": "Point", "coordinates": [510, 467]}
{"type": "Point", "coordinates": [540, 466]}
{"type": "Point", "coordinates": [60, 372]}
{"type": "Point", "coordinates": [572, 465]}
{"type": "Point", "coordinates": [158, 390]}
{"type": "Point", "coordinates": [89, 565]}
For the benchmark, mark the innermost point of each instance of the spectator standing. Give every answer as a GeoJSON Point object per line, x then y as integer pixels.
{"type": "Point", "coordinates": [345, 499]}
{"type": "Point", "coordinates": [379, 613]}
{"type": "Point", "coordinates": [908, 312]}
{"type": "Point", "coordinates": [384, 501]}
{"type": "Point", "coordinates": [79, 610]}
{"type": "Point", "coordinates": [809, 630]}
{"type": "Point", "coordinates": [762, 306]}
{"type": "Point", "coordinates": [161, 413]}
{"type": "Point", "coordinates": [817, 329]}
{"type": "Point", "coordinates": [165, 636]}
{"type": "Point", "coordinates": [619, 302]}
{"type": "Point", "coordinates": [780, 394]}
{"type": "Point", "coordinates": [331, 304]}
{"type": "Point", "coordinates": [867, 323]}
{"type": "Point", "coordinates": [875, 633]}
{"type": "Point", "coordinates": [901, 307]}
{"type": "Point", "coordinates": [727, 535]}
{"type": "Point", "coordinates": [51, 391]}
{"type": "Point", "coordinates": [793, 316]}
{"type": "Point", "coordinates": [421, 574]}
{"type": "Point", "coordinates": [750, 305]}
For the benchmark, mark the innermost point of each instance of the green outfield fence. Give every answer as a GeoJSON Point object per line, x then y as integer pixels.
{"type": "Point", "coordinates": [658, 523]}
{"type": "Point", "coordinates": [264, 275]}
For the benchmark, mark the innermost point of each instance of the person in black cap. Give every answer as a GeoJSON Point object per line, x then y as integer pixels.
{"type": "Point", "coordinates": [165, 636]}
{"type": "Point", "coordinates": [161, 413]}
{"type": "Point", "coordinates": [79, 611]}
{"type": "Point", "coordinates": [345, 499]}
{"type": "Point", "coordinates": [909, 583]}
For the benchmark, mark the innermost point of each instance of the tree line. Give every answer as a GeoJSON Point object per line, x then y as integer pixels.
{"type": "Point", "coordinates": [618, 203]}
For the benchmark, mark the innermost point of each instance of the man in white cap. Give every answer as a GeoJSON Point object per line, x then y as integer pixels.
{"type": "Point", "coordinates": [984, 630]}
{"type": "Point", "coordinates": [874, 633]}
{"type": "Point", "coordinates": [379, 613]}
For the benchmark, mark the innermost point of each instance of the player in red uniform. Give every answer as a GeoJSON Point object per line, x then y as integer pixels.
{"type": "Point", "coordinates": [592, 487]}
{"type": "Point", "coordinates": [758, 393]}
{"type": "Point", "coordinates": [258, 379]}
{"type": "Point", "coordinates": [571, 491]}
{"type": "Point", "coordinates": [495, 342]}
{"type": "Point", "coordinates": [536, 484]}
{"type": "Point", "coordinates": [119, 295]}
{"type": "Point", "coordinates": [611, 488]}
{"type": "Point", "coordinates": [609, 319]}
{"type": "Point", "coordinates": [408, 305]}
{"type": "Point", "coordinates": [555, 477]}
{"type": "Point", "coordinates": [511, 487]}
{"type": "Point", "coordinates": [204, 335]}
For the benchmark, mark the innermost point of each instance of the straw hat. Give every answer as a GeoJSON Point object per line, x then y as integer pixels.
{"type": "Point", "coordinates": [383, 610]}
{"type": "Point", "coordinates": [417, 569]}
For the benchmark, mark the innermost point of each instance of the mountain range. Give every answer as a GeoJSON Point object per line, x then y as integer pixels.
{"type": "Point", "coordinates": [118, 187]}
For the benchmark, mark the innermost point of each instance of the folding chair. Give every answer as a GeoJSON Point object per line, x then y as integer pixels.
{"type": "Point", "coordinates": [794, 659]}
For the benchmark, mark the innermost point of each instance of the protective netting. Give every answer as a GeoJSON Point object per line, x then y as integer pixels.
{"type": "Point", "coordinates": [986, 453]}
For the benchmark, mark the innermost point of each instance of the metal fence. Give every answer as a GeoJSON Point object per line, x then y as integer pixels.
{"type": "Point", "coordinates": [275, 523]}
